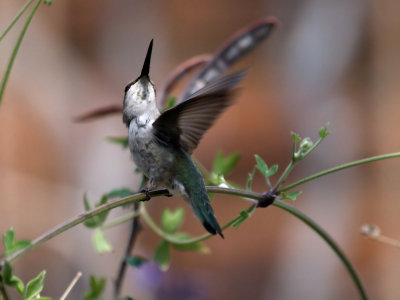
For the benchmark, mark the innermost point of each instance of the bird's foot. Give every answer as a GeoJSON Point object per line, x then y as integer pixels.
{"type": "Point", "coordinates": [169, 194]}
{"type": "Point", "coordinates": [146, 191]}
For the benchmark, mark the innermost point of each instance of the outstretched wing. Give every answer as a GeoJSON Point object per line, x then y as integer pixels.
{"type": "Point", "coordinates": [185, 124]}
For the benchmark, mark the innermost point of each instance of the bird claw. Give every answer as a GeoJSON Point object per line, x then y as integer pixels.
{"type": "Point", "coordinates": [146, 191]}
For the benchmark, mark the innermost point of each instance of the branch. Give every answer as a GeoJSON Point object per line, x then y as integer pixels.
{"type": "Point", "coordinates": [163, 192]}
{"type": "Point", "coordinates": [80, 219]}
{"type": "Point", "coordinates": [339, 168]}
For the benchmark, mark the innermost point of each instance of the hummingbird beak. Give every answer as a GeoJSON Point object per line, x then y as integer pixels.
{"type": "Point", "coordinates": [146, 65]}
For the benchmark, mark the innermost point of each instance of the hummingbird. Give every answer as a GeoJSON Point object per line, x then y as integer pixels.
{"type": "Point", "coordinates": [161, 144]}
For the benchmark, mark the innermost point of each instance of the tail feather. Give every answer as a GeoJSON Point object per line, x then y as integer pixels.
{"type": "Point", "coordinates": [203, 210]}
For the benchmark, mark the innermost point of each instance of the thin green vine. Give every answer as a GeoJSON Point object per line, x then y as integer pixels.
{"type": "Point", "coordinates": [18, 43]}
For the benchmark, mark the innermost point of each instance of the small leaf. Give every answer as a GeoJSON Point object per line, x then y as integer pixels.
{"type": "Point", "coordinates": [119, 193]}
{"type": "Point", "coordinates": [136, 261]}
{"type": "Point", "coordinates": [86, 202]}
{"type": "Point", "coordinates": [323, 132]}
{"type": "Point", "coordinates": [18, 284]}
{"type": "Point", "coordinates": [48, 2]}
{"type": "Point", "coordinates": [100, 242]}
{"type": "Point", "coordinates": [272, 171]}
{"type": "Point", "coordinates": [162, 255]}
{"type": "Point", "coordinates": [97, 287]}
{"type": "Point", "coordinates": [291, 196]}
{"type": "Point", "coordinates": [170, 103]}
{"type": "Point", "coordinates": [197, 246]}
{"type": "Point", "coordinates": [99, 219]}
{"type": "Point", "coordinates": [7, 273]}
{"type": "Point", "coordinates": [261, 165]}
{"type": "Point", "coordinates": [241, 218]}
{"type": "Point", "coordinates": [223, 165]}
{"type": "Point", "coordinates": [35, 286]}
{"type": "Point", "coordinates": [20, 244]}
{"type": "Point", "coordinates": [122, 141]}
{"type": "Point", "coordinates": [172, 220]}
{"type": "Point", "coordinates": [250, 179]}
{"type": "Point", "coordinates": [8, 239]}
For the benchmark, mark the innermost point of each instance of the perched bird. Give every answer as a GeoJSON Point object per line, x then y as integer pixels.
{"type": "Point", "coordinates": [161, 143]}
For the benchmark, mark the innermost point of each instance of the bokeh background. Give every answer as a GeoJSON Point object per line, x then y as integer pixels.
{"type": "Point", "coordinates": [335, 61]}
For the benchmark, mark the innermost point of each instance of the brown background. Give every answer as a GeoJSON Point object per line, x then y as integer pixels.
{"type": "Point", "coordinates": [335, 61]}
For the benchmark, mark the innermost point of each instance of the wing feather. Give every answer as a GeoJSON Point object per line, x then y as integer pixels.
{"type": "Point", "coordinates": [185, 124]}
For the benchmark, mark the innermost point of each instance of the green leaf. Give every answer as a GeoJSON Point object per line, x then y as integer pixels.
{"type": "Point", "coordinates": [170, 103]}
{"type": "Point", "coordinates": [100, 242]}
{"type": "Point", "coordinates": [126, 298]}
{"type": "Point", "coordinates": [86, 202]}
{"type": "Point", "coordinates": [197, 246]}
{"type": "Point", "coordinates": [99, 219]}
{"type": "Point", "coordinates": [8, 239]}
{"type": "Point", "coordinates": [7, 273]}
{"type": "Point", "coordinates": [241, 218]}
{"type": "Point", "coordinates": [10, 244]}
{"type": "Point", "coordinates": [97, 287]}
{"type": "Point", "coordinates": [35, 286]}
{"type": "Point", "coordinates": [223, 165]}
{"type": "Point", "coordinates": [162, 255]}
{"type": "Point", "coordinates": [172, 220]}
{"type": "Point", "coordinates": [272, 171]}
{"type": "Point", "coordinates": [323, 132]}
{"type": "Point", "coordinates": [250, 179]}
{"type": "Point", "coordinates": [261, 165]}
{"type": "Point", "coordinates": [48, 2]}
{"type": "Point", "coordinates": [122, 141]}
{"type": "Point", "coordinates": [18, 284]}
{"type": "Point", "coordinates": [291, 196]}
{"type": "Point", "coordinates": [119, 193]}
{"type": "Point", "coordinates": [136, 261]}
{"type": "Point", "coordinates": [21, 244]}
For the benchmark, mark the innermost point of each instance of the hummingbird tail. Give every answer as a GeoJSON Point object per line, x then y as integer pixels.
{"type": "Point", "coordinates": [203, 210]}
{"type": "Point", "coordinates": [212, 229]}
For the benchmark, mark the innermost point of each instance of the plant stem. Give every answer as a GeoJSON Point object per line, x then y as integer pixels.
{"type": "Point", "coordinates": [3, 291]}
{"type": "Point", "coordinates": [284, 175]}
{"type": "Point", "coordinates": [134, 232]}
{"type": "Point", "coordinates": [16, 18]}
{"type": "Point", "coordinates": [172, 239]}
{"type": "Point", "coordinates": [120, 220]}
{"type": "Point", "coordinates": [16, 48]}
{"type": "Point", "coordinates": [339, 168]}
{"type": "Point", "coordinates": [81, 218]}
{"type": "Point", "coordinates": [325, 236]}
{"type": "Point", "coordinates": [140, 197]}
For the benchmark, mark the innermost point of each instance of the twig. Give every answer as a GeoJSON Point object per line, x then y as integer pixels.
{"type": "Point", "coordinates": [135, 229]}
{"type": "Point", "coordinates": [99, 112]}
{"type": "Point", "coordinates": [374, 232]}
{"type": "Point", "coordinates": [71, 285]}
{"type": "Point", "coordinates": [80, 219]}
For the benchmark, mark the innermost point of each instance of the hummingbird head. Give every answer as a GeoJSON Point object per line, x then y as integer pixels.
{"type": "Point", "coordinates": [140, 94]}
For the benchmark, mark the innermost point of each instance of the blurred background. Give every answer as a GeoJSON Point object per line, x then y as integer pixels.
{"type": "Point", "coordinates": [329, 61]}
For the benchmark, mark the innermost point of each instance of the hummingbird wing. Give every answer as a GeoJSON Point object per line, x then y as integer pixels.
{"type": "Point", "coordinates": [185, 124]}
